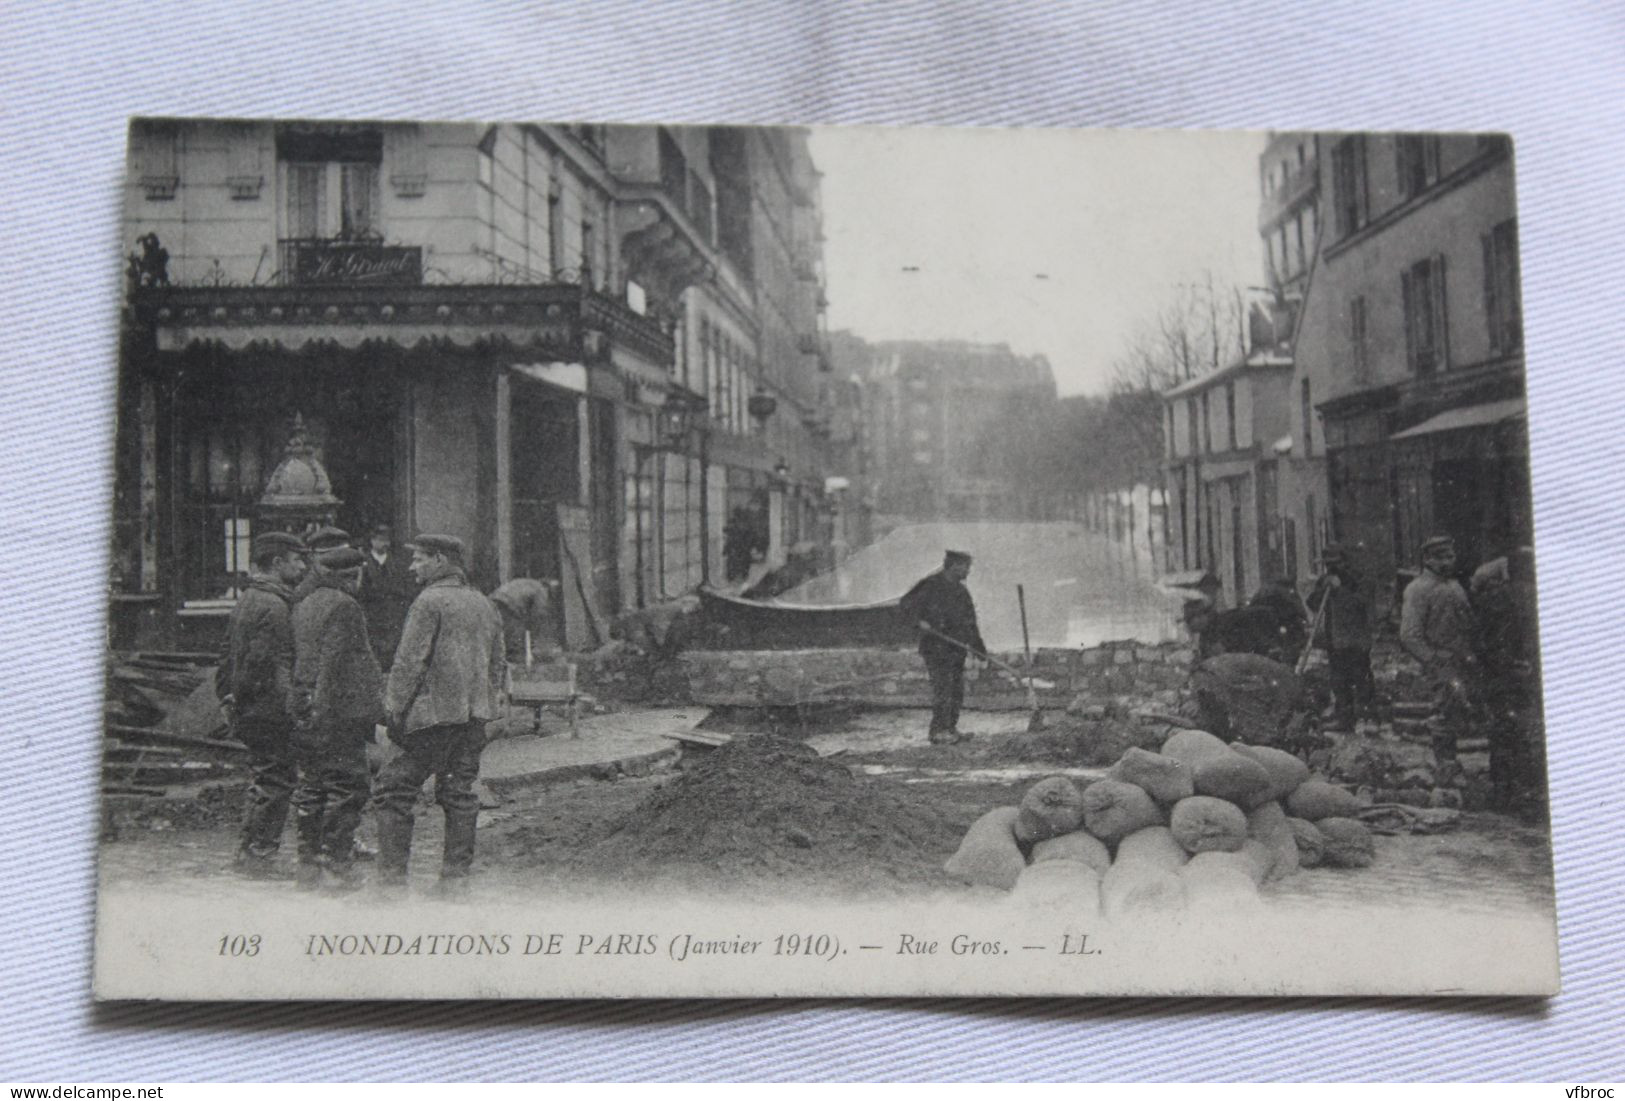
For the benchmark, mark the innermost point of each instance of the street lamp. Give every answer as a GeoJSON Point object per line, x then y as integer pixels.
{"type": "Point", "coordinates": [678, 416]}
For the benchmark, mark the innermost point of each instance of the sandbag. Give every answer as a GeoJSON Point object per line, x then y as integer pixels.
{"type": "Point", "coordinates": [1061, 885]}
{"type": "Point", "coordinates": [1257, 858]}
{"type": "Point", "coordinates": [1316, 799]}
{"type": "Point", "coordinates": [1079, 847]}
{"type": "Point", "coordinates": [1348, 843]}
{"type": "Point", "coordinates": [1163, 778]}
{"type": "Point", "coordinates": [1193, 746]}
{"type": "Point", "coordinates": [1051, 807]}
{"type": "Point", "coordinates": [1267, 824]}
{"type": "Point", "coordinates": [1311, 843]}
{"type": "Point", "coordinates": [1219, 879]}
{"type": "Point", "coordinates": [1233, 778]}
{"type": "Point", "coordinates": [1137, 889]}
{"type": "Point", "coordinates": [1205, 824]}
{"type": "Point", "coordinates": [1152, 848]}
{"type": "Point", "coordinates": [989, 855]}
{"type": "Point", "coordinates": [1113, 809]}
{"type": "Point", "coordinates": [1286, 771]}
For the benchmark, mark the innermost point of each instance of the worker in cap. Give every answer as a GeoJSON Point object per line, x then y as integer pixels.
{"type": "Point", "coordinates": [335, 702]}
{"type": "Point", "coordinates": [324, 538]}
{"type": "Point", "coordinates": [447, 546]}
{"type": "Point", "coordinates": [447, 682]}
{"type": "Point", "coordinates": [253, 684]}
{"type": "Point", "coordinates": [1343, 629]}
{"type": "Point", "coordinates": [1436, 628]}
{"type": "Point", "coordinates": [941, 607]}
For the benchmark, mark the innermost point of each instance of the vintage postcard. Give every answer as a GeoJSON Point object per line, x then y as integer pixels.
{"type": "Point", "coordinates": [578, 560]}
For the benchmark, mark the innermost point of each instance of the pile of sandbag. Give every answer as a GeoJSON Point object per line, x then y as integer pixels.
{"type": "Point", "coordinates": [1202, 822]}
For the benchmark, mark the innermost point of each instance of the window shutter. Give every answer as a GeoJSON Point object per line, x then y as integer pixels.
{"type": "Point", "coordinates": [1403, 155]}
{"type": "Point", "coordinates": [1492, 317]}
{"type": "Point", "coordinates": [1362, 195]}
{"type": "Point", "coordinates": [1406, 296]}
{"type": "Point", "coordinates": [1441, 317]}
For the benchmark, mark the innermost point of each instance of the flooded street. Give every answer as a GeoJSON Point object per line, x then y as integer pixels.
{"type": "Point", "coordinates": [1082, 587]}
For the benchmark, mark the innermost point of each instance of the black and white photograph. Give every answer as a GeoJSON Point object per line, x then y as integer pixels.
{"type": "Point", "coordinates": [563, 559]}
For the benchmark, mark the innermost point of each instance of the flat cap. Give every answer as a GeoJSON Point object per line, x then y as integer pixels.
{"type": "Point", "coordinates": [1438, 542]}
{"type": "Point", "coordinates": [1333, 553]}
{"type": "Point", "coordinates": [448, 545]}
{"type": "Point", "coordinates": [327, 537]}
{"type": "Point", "coordinates": [340, 558]}
{"type": "Point", "coordinates": [950, 557]}
{"type": "Point", "coordinates": [276, 542]}
{"type": "Point", "coordinates": [381, 528]}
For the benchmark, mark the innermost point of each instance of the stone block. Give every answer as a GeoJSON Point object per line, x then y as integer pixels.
{"type": "Point", "coordinates": [1122, 657]}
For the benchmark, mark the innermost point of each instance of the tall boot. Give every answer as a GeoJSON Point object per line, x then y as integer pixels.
{"type": "Point", "coordinates": [394, 846]}
{"type": "Point", "coordinates": [458, 856]}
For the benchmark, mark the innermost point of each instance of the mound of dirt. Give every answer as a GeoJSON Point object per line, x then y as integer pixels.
{"type": "Point", "coordinates": [763, 806]}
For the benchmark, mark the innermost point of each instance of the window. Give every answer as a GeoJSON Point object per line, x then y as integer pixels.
{"type": "Point", "coordinates": [1422, 291]}
{"type": "Point", "coordinates": [1298, 241]}
{"type": "Point", "coordinates": [1357, 341]}
{"type": "Point", "coordinates": [1350, 201]}
{"type": "Point", "coordinates": [1503, 301]}
{"type": "Point", "coordinates": [1230, 412]}
{"type": "Point", "coordinates": [1207, 423]}
{"type": "Point", "coordinates": [589, 258]}
{"type": "Point", "coordinates": [1307, 411]}
{"type": "Point", "coordinates": [1417, 160]}
{"type": "Point", "coordinates": [705, 364]}
{"type": "Point", "coordinates": [1303, 155]}
{"type": "Point", "coordinates": [1192, 425]}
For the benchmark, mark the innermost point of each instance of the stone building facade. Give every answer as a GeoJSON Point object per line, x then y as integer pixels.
{"type": "Point", "coordinates": [498, 331]}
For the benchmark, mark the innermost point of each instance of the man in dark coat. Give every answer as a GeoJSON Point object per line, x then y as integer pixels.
{"type": "Point", "coordinates": [253, 681]}
{"type": "Point", "coordinates": [386, 592]}
{"type": "Point", "coordinates": [941, 607]}
{"type": "Point", "coordinates": [1508, 626]}
{"type": "Point", "coordinates": [337, 698]}
{"type": "Point", "coordinates": [447, 682]}
{"type": "Point", "coordinates": [1339, 599]}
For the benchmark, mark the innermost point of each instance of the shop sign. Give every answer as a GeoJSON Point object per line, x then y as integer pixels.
{"type": "Point", "coordinates": [352, 262]}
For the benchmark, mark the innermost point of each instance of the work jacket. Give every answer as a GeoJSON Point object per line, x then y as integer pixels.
{"type": "Point", "coordinates": [450, 666]}
{"type": "Point", "coordinates": [335, 676]}
{"type": "Point", "coordinates": [1436, 622]}
{"type": "Point", "coordinates": [946, 605]}
{"type": "Point", "coordinates": [256, 661]}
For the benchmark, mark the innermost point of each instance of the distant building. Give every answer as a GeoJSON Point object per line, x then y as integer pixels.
{"type": "Point", "coordinates": [941, 417]}
{"type": "Point", "coordinates": [1223, 433]}
{"type": "Point", "coordinates": [1408, 386]}
{"type": "Point", "coordinates": [573, 346]}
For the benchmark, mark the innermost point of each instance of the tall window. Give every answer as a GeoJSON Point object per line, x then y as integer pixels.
{"type": "Point", "coordinates": [1207, 423]}
{"type": "Point", "coordinates": [1357, 339]}
{"type": "Point", "coordinates": [330, 180]}
{"type": "Point", "coordinates": [1230, 413]}
{"type": "Point", "coordinates": [555, 231]}
{"type": "Point", "coordinates": [1503, 299]}
{"type": "Point", "coordinates": [1417, 160]}
{"type": "Point", "coordinates": [1422, 291]}
{"type": "Point", "coordinates": [1350, 200]}
{"type": "Point", "coordinates": [1307, 410]}
{"type": "Point", "coordinates": [1193, 426]}
{"type": "Point", "coordinates": [589, 259]}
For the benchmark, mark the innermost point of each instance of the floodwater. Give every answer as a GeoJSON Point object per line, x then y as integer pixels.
{"type": "Point", "coordinates": [1082, 587]}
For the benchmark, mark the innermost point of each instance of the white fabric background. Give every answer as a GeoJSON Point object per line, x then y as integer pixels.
{"type": "Point", "coordinates": [71, 74]}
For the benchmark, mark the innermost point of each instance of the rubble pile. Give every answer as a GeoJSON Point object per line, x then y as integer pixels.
{"type": "Point", "coordinates": [763, 803]}
{"type": "Point", "coordinates": [1199, 823]}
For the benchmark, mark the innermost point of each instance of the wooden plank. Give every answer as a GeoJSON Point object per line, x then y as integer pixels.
{"type": "Point", "coordinates": [704, 738]}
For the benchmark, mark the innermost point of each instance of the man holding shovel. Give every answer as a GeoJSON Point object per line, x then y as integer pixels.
{"type": "Point", "coordinates": [941, 606]}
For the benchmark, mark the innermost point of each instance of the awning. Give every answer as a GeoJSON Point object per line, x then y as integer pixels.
{"type": "Point", "coordinates": [1470, 416]}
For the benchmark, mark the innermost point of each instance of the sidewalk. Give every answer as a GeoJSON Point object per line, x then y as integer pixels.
{"type": "Point", "coordinates": [623, 743]}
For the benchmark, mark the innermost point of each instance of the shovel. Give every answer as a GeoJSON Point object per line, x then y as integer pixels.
{"type": "Point", "coordinates": [1036, 720]}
